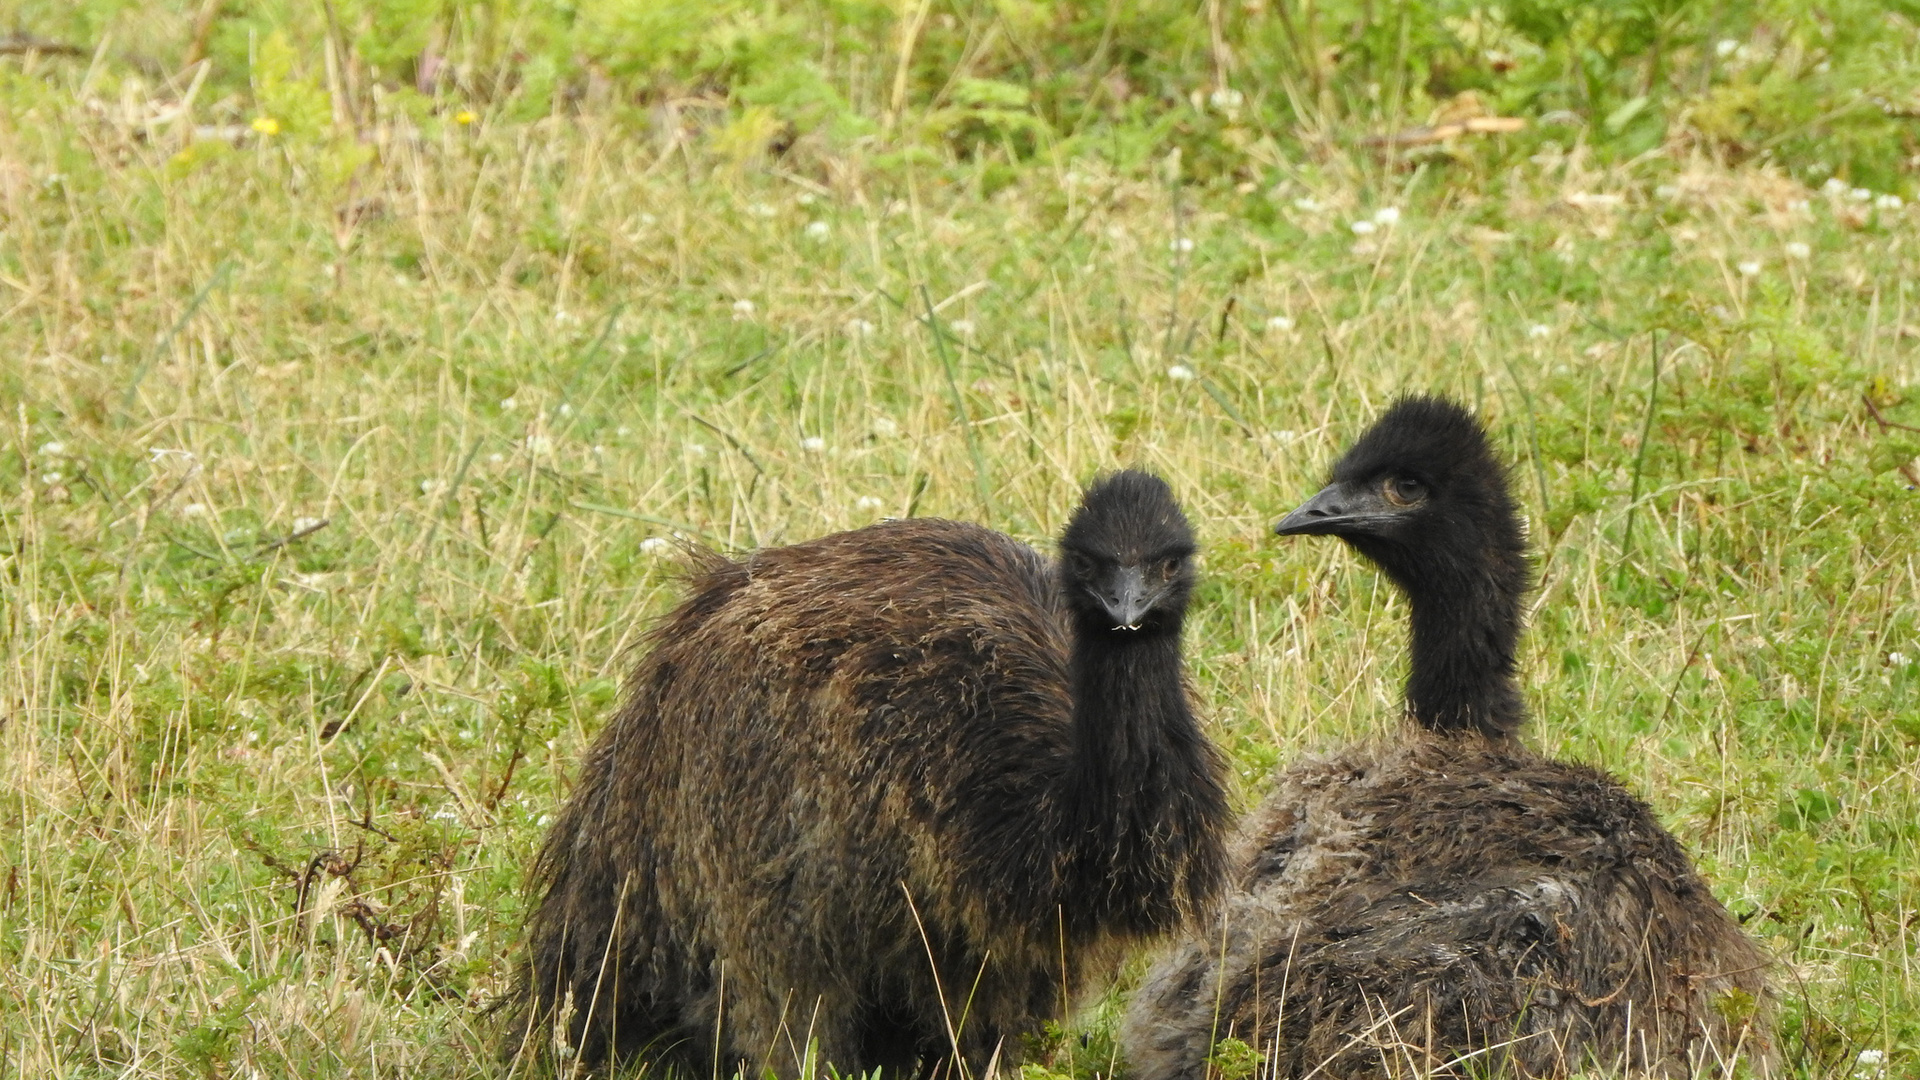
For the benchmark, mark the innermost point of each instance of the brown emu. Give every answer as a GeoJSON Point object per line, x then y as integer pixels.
{"type": "Point", "coordinates": [1453, 904]}
{"type": "Point", "coordinates": [885, 795]}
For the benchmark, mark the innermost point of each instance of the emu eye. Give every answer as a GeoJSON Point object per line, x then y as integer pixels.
{"type": "Point", "coordinates": [1403, 490]}
{"type": "Point", "coordinates": [1169, 567]}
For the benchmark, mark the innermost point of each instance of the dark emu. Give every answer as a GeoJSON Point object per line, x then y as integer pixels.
{"type": "Point", "coordinates": [884, 799]}
{"type": "Point", "coordinates": [1452, 903]}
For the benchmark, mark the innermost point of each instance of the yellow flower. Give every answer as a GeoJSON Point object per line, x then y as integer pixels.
{"type": "Point", "coordinates": [266, 125]}
{"type": "Point", "coordinates": [464, 116]}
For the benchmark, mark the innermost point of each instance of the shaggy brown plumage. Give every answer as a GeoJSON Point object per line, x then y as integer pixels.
{"type": "Point", "coordinates": [888, 792]}
{"type": "Point", "coordinates": [1453, 903]}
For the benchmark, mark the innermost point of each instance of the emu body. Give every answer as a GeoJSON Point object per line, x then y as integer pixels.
{"type": "Point", "coordinates": [891, 794]}
{"type": "Point", "coordinates": [1453, 904]}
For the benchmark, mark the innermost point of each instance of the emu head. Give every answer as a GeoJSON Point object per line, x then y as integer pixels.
{"type": "Point", "coordinates": [1126, 557]}
{"type": "Point", "coordinates": [1422, 495]}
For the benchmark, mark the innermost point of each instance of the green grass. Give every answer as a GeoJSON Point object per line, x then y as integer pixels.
{"type": "Point", "coordinates": [335, 472]}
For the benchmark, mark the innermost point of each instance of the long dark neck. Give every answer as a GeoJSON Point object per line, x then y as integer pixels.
{"type": "Point", "coordinates": [1465, 636]}
{"type": "Point", "coordinates": [1145, 806]}
{"type": "Point", "coordinates": [1129, 699]}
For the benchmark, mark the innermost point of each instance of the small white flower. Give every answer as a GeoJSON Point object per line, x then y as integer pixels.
{"type": "Point", "coordinates": [432, 487]}
{"type": "Point", "coordinates": [1180, 373]}
{"type": "Point", "coordinates": [818, 230]}
{"type": "Point", "coordinates": [1725, 47]}
{"type": "Point", "coordinates": [867, 502]}
{"type": "Point", "coordinates": [623, 431]}
{"type": "Point", "coordinates": [1823, 67]}
{"type": "Point", "coordinates": [563, 317]}
{"type": "Point", "coordinates": [1888, 202]}
{"type": "Point", "coordinates": [655, 545]}
{"type": "Point", "coordinates": [1798, 206]}
{"type": "Point", "coordinates": [1539, 330]}
{"type": "Point", "coordinates": [1226, 99]}
{"type": "Point", "coordinates": [49, 477]}
{"type": "Point", "coordinates": [1898, 659]}
{"type": "Point", "coordinates": [1363, 228]}
{"type": "Point", "coordinates": [760, 209]}
{"type": "Point", "coordinates": [1182, 245]}
{"type": "Point", "coordinates": [1797, 249]}
{"type": "Point", "coordinates": [1860, 194]}
{"type": "Point", "coordinates": [1387, 215]}
{"type": "Point", "coordinates": [742, 309]}
{"type": "Point", "coordinates": [885, 425]}
{"type": "Point", "coordinates": [496, 457]}
{"type": "Point", "coordinates": [1834, 186]}
{"type": "Point", "coordinates": [599, 451]}
{"type": "Point", "coordinates": [446, 813]}
{"type": "Point", "coordinates": [302, 524]}
{"type": "Point", "coordinates": [194, 509]}
{"type": "Point", "coordinates": [1283, 436]}
{"type": "Point", "coordinates": [963, 327]}
{"type": "Point", "coordinates": [806, 198]}
{"type": "Point", "coordinates": [1307, 205]}
{"type": "Point", "coordinates": [565, 409]}
{"type": "Point", "coordinates": [1666, 192]}
{"type": "Point", "coordinates": [53, 449]}
{"type": "Point", "coordinates": [509, 404]}
{"type": "Point", "coordinates": [539, 444]}
{"type": "Point", "coordinates": [1280, 322]}
{"type": "Point", "coordinates": [1748, 267]}
{"type": "Point", "coordinates": [813, 444]}
{"type": "Point", "coordinates": [697, 449]}
{"type": "Point", "coordinates": [859, 327]}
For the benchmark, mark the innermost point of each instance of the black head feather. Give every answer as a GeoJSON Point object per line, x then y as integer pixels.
{"type": "Point", "coordinates": [1126, 557]}
{"type": "Point", "coordinates": [1423, 496]}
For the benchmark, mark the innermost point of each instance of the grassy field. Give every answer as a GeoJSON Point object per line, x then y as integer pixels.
{"type": "Point", "coordinates": [338, 474]}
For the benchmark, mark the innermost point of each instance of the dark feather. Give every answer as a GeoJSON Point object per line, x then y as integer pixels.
{"type": "Point", "coordinates": [1453, 904]}
{"type": "Point", "coordinates": [840, 758]}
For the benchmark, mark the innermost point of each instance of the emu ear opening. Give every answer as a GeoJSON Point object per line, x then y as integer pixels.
{"type": "Point", "coordinates": [1339, 509]}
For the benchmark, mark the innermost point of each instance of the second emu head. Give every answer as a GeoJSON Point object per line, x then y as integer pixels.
{"type": "Point", "coordinates": [1422, 495]}
{"type": "Point", "coordinates": [1126, 557]}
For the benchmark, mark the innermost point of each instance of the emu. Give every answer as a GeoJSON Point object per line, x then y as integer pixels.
{"type": "Point", "coordinates": [884, 798]}
{"type": "Point", "coordinates": [1453, 903]}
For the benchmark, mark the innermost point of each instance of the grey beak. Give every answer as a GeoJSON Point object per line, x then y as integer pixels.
{"type": "Point", "coordinates": [1338, 509]}
{"type": "Point", "coordinates": [1128, 601]}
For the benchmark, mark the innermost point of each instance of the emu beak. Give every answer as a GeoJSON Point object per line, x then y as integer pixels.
{"type": "Point", "coordinates": [1129, 600]}
{"type": "Point", "coordinates": [1338, 510]}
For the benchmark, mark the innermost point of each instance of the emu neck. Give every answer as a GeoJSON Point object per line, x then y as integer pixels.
{"type": "Point", "coordinates": [1127, 693]}
{"type": "Point", "coordinates": [1142, 801]}
{"type": "Point", "coordinates": [1464, 638]}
